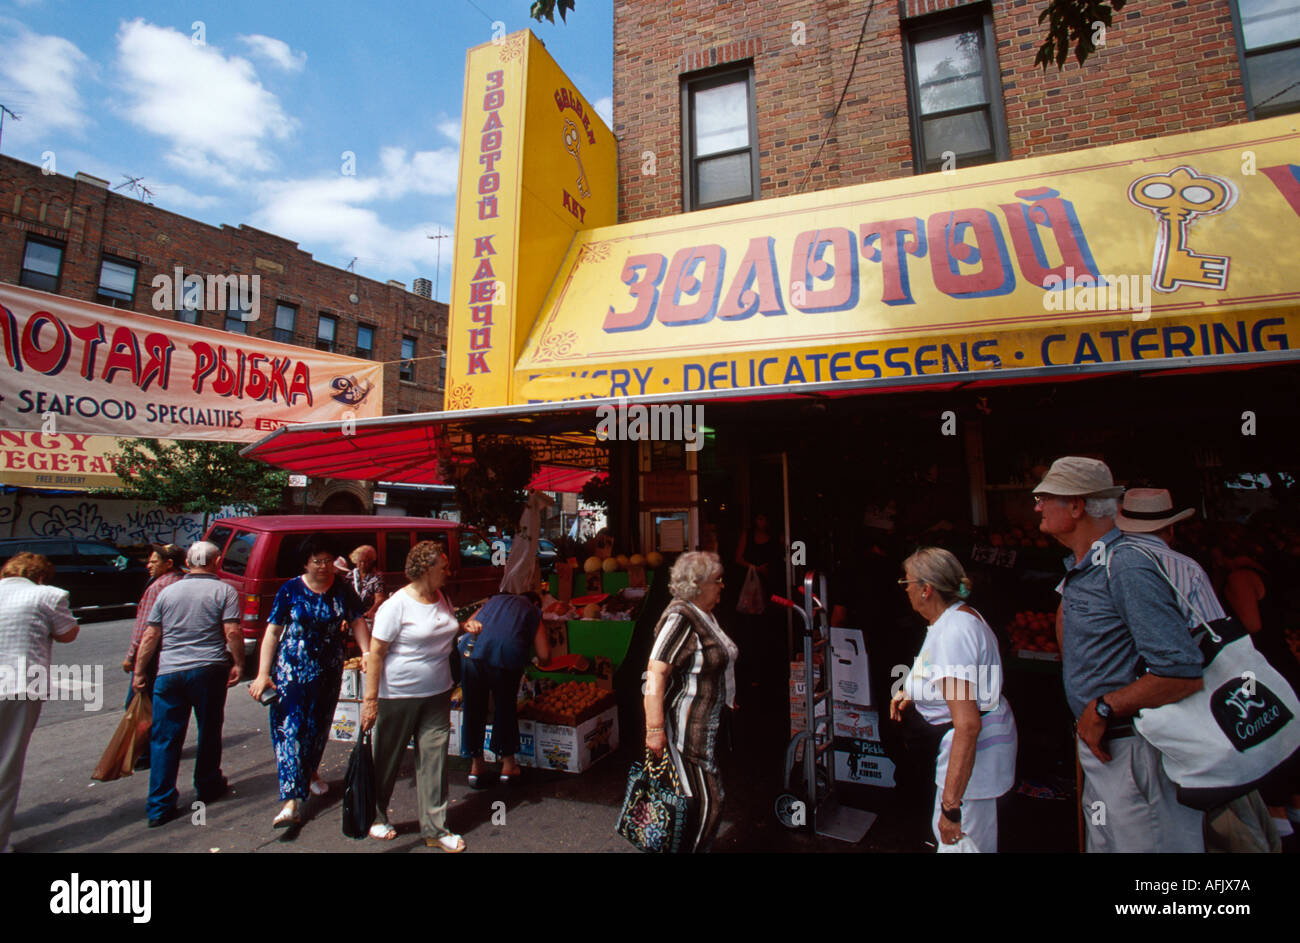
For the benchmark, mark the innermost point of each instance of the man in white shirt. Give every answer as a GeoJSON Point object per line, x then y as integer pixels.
{"type": "Point", "coordinates": [32, 616]}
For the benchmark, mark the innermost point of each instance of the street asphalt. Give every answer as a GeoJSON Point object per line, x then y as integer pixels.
{"type": "Point", "coordinates": [60, 809]}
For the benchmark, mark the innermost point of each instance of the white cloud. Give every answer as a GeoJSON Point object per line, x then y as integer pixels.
{"type": "Point", "coordinates": [338, 211]}
{"type": "Point", "coordinates": [605, 108]}
{"type": "Point", "coordinates": [41, 71]}
{"type": "Point", "coordinates": [211, 108]}
{"type": "Point", "coordinates": [450, 129]}
{"type": "Point", "coordinates": [275, 51]}
{"type": "Point", "coordinates": [174, 197]}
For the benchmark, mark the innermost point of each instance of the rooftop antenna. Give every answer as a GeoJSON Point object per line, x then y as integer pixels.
{"type": "Point", "coordinates": [437, 265]}
{"type": "Point", "coordinates": [5, 111]}
{"type": "Point", "coordinates": [134, 185]}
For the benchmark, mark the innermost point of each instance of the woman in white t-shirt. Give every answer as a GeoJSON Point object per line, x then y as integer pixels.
{"type": "Point", "coordinates": [408, 693]}
{"type": "Point", "coordinates": [955, 687]}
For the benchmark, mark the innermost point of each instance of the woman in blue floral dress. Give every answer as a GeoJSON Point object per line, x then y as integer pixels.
{"type": "Point", "coordinates": [304, 644]}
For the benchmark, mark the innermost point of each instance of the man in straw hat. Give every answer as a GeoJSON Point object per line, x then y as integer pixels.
{"type": "Point", "coordinates": [1109, 627]}
{"type": "Point", "coordinates": [1147, 519]}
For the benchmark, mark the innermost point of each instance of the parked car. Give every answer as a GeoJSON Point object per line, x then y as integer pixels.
{"type": "Point", "coordinates": [97, 576]}
{"type": "Point", "coordinates": [260, 554]}
{"type": "Point", "coordinates": [547, 554]}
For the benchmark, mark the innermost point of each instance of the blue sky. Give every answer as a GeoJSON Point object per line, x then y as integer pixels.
{"type": "Point", "coordinates": [251, 124]}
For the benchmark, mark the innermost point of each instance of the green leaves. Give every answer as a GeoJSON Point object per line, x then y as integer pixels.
{"type": "Point", "coordinates": [1074, 21]}
{"type": "Point", "coordinates": [195, 477]}
{"type": "Point", "coordinates": [547, 8]}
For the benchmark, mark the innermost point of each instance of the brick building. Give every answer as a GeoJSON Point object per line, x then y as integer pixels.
{"type": "Point", "coordinates": [76, 237]}
{"type": "Point", "coordinates": [932, 79]}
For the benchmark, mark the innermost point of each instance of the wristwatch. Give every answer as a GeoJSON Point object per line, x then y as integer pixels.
{"type": "Point", "coordinates": [953, 815]}
{"type": "Point", "coordinates": [1104, 710]}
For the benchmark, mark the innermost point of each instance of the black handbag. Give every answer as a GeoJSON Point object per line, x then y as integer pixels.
{"type": "Point", "coordinates": [359, 790]}
{"type": "Point", "coordinates": [655, 811]}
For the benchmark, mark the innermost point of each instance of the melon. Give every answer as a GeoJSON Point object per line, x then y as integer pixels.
{"type": "Point", "coordinates": [610, 565]}
{"type": "Point", "coordinates": [654, 559]}
{"type": "Point", "coordinates": [592, 565]}
{"type": "Point", "coordinates": [636, 560]}
{"type": "Point", "coordinates": [591, 611]}
{"type": "Point", "coordinates": [622, 561]}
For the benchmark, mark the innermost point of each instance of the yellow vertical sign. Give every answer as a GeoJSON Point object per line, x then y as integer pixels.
{"type": "Point", "coordinates": [536, 165]}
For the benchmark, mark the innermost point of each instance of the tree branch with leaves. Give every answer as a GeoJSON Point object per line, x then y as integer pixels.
{"type": "Point", "coordinates": [195, 477]}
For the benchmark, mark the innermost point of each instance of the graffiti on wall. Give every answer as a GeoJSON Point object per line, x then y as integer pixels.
{"type": "Point", "coordinates": [122, 523]}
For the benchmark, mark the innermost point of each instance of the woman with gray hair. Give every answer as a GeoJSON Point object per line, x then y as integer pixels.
{"type": "Point", "coordinates": [692, 669]}
{"type": "Point", "coordinates": [955, 686]}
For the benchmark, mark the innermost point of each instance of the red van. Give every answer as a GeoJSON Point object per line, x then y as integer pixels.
{"type": "Point", "coordinates": [259, 554]}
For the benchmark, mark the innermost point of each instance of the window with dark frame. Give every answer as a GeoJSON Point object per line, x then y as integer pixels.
{"type": "Point", "coordinates": [326, 330]}
{"type": "Point", "coordinates": [286, 319]}
{"type": "Point", "coordinates": [720, 139]}
{"type": "Point", "coordinates": [407, 370]}
{"type": "Point", "coordinates": [192, 299]}
{"type": "Point", "coordinates": [117, 282]}
{"type": "Point", "coordinates": [954, 93]}
{"type": "Point", "coordinates": [366, 341]}
{"type": "Point", "coordinates": [235, 314]}
{"type": "Point", "coordinates": [1268, 45]}
{"type": "Point", "coordinates": [42, 264]}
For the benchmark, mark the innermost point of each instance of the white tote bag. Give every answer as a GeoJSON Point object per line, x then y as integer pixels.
{"type": "Point", "coordinates": [1219, 743]}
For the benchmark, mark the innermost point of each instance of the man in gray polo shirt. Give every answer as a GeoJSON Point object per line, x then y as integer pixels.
{"type": "Point", "coordinates": [195, 626]}
{"type": "Point", "coordinates": [1109, 628]}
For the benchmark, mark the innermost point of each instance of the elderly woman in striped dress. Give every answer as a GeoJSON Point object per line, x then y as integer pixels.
{"type": "Point", "coordinates": [691, 669]}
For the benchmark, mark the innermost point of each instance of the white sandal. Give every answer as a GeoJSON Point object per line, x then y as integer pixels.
{"type": "Point", "coordinates": [291, 814]}
{"type": "Point", "coordinates": [318, 786]}
{"type": "Point", "coordinates": [450, 843]}
{"type": "Point", "coordinates": [383, 831]}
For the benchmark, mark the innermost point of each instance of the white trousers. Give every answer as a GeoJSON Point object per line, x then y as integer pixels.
{"type": "Point", "coordinates": [1129, 804]}
{"type": "Point", "coordinates": [979, 820]}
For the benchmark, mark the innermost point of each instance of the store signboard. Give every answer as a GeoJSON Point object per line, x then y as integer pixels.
{"type": "Point", "coordinates": [536, 165]}
{"type": "Point", "coordinates": [69, 366]}
{"type": "Point", "coordinates": [71, 462]}
{"type": "Point", "coordinates": [1162, 249]}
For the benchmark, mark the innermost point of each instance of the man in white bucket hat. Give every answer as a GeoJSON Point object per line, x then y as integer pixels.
{"type": "Point", "coordinates": [1147, 518]}
{"type": "Point", "coordinates": [1110, 626]}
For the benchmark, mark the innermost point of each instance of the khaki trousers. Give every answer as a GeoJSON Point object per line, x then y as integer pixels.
{"type": "Point", "coordinates": [428, 720]}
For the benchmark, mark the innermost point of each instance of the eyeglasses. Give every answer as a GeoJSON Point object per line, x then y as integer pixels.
{"type": "Point", "coordinates": [1041, 499]}
{"type": "Point", "coordinates": [906, 582]}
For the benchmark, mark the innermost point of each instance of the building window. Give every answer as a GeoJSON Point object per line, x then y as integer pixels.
{"type": "Point", "coordinates": [117, 282]}
{"type": "Point", "coordinates": [407, 370]}
{"type": "Point", "coordinates": [719, 139]}
{"type": "Point", "coordinates": [237, 316]}
{"type": "Point", "coordinates": [326, 330]}
{"type": "Point", "coordinates": [42, 263]}
{"type": "Point", "coordinates": [954, 95]}
{"type": "Point", "coordinates": [286, 318]}
{"type": "Point", "coordinates": [1268, 44]}
{"type": "Point", "coordinates": [366, 341]}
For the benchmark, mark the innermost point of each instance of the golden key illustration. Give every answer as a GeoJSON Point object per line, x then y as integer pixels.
{"type": "Point", "coordinates": [571, 145]}
{"type": "Point", "coordinates": [1178, 199]}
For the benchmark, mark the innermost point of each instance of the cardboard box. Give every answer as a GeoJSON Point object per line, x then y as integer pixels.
{"type": "Point", "coordinates": [353, 686]}
{"type": "Point", "coordinates": [849, 670]}
{"type": "Point", "coordinates": [574, 749]}
{"type": "Point", "coordinates": [863, 763]}
{"type": "Point", "coordinates": [856, 723]}
{"type": "Point", "coordinates": [347, 722]}
{"type": "Point", "coordinates": [527, 740]}
{"type": "Point", "coordinates": [799, 715]}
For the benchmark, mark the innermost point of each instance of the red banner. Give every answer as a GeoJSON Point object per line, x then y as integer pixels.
{"type": "Point", "coordinates": [69, 366]}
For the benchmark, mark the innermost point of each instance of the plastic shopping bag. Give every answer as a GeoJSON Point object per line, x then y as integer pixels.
{"type": "Point", "coordinates": [751, 601]}
{"type": "Point", "coordinates": [359, 790]}
{"type": "Point", "coordinates": [964, 845]}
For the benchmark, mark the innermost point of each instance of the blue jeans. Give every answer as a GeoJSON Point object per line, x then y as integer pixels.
{"type": "Point", "coordinates": [202, 690]}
